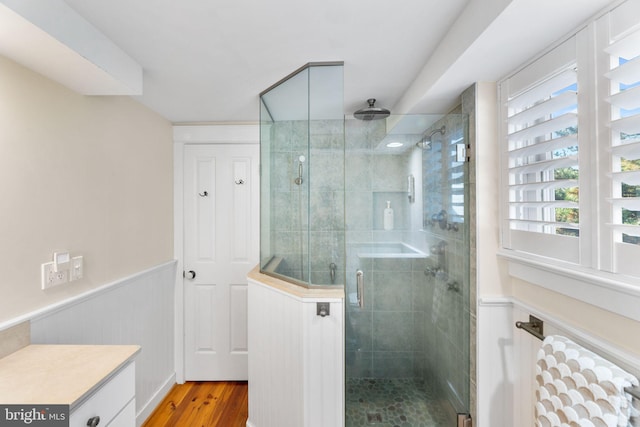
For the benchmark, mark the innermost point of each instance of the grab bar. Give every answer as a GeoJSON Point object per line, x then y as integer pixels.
{"type": "Point", "coordinates": [299, 180]}
{"type": "Point", "coordinates": [360, 287]}
{"type": "Point", "coordinates": [535, 327]}
{"type": "Point", "coordinates": [411, 188]}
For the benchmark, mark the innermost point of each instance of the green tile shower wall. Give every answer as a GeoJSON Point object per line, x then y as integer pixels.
{"type": "Point", "coordinates": [307, 221]}
{"type": "Point", "coordinates": [384, 341]}
{"type": "Point", "coordinates": [446, 355]}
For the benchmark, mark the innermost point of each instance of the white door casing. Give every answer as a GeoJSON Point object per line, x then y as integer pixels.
{"type": "Point", "coordinates": [221, 245]}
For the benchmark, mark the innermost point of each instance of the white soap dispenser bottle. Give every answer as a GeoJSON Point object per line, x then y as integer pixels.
{"type": "Point", "coordinates": [388, 217]}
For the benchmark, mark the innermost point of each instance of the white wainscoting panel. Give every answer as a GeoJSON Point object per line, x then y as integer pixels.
{"type": "Point", "coordinates": [323, 349]}
{"type": "Point", "coordinates": [526, 352]}
{"type": "Point", "coordinates": [296, 360]}
{"type": "Point", "coordinates": [275, 360]}
{"type": "Point", "coordinates": [496, 366]}
{"type": "Point", "coordinates": [135, 310]}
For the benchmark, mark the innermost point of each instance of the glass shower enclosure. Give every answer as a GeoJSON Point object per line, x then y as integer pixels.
{"type": "Point", "coordinates": [302, 177]}
{"type": "Point", "coordinates": [380, 208]}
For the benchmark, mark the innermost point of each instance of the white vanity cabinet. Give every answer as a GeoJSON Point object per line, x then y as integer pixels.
{"type": "Point", "coordinates": [113, 404]}
{"type": "Point", "coordinates": [96, 381]}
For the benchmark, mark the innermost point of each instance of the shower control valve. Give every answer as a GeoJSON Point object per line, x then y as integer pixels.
{"type": "Point", "coordinates": [453, 286]}
{"type": "Point", "coordinates": [431, 271]}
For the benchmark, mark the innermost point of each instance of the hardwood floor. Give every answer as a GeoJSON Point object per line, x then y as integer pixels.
{"type": "Point", "coordinates": [203, 404]}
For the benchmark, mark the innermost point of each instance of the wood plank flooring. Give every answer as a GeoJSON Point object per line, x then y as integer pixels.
{"type": "Point", "coordinates": [203, 404]}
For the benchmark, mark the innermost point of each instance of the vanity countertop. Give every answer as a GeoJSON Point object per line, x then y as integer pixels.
{"type": "Point", "coordinates": [59, 374]}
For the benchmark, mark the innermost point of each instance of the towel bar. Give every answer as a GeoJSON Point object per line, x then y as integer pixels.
{"type": "Point", "coordinates": [535, 327]}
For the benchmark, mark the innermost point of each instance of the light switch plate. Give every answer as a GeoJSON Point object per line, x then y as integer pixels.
{"type": "Point", "coordinates": [76, 270]}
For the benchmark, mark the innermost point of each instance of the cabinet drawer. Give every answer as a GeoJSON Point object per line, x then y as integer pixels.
{"type": "Point", "coordinates": [108, 400]}
{"type": "Point", "coordinates": [126, 418]}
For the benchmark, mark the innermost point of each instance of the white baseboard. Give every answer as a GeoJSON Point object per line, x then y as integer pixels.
{"type": "Point", "coordinates": [155, 400]}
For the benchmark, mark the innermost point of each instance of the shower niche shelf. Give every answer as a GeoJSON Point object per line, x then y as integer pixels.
{"type": "Point", "coordinates": [399, 204]}
{"type": "Point", "coordinates": [388, 250]}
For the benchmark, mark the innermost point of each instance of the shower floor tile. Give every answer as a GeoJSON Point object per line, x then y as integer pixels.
{"type": "Point", "coordinates": [392, 403]}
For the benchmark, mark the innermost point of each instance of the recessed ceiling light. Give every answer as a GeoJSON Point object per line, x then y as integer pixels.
{"type": "Point", "coordinates": [395, 144]}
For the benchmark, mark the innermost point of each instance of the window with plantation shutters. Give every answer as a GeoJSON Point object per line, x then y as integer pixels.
{"type": "Point", "coordinates": [541, 112]}
{"type": "Point", "coordinates": [619, 37]}
{"type": "Point", "coordinates": [570, 164]}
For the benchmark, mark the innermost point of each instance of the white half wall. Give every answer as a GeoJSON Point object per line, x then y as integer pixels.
{"type": "Point", "coordinates": [296, 372]}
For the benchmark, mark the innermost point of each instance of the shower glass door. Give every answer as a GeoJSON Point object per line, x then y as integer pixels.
{"type": "Point", "coordinates": [407, 321]}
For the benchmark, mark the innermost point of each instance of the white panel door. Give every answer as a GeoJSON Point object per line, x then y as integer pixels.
{"type": "Point", "coordinates": [221, 245]}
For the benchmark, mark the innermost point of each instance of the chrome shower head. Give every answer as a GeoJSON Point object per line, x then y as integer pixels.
{"type": "Point", "coordinates": [425, 142]}
{"type": "Point", "coordinates": [371, 112]}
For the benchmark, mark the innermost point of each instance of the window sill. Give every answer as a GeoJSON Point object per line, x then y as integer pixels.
{"type": "Point", "coordinates": [613, 292]}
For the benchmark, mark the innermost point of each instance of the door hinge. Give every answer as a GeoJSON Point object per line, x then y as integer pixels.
{"type": "Point", "coordinates": [464, 420]}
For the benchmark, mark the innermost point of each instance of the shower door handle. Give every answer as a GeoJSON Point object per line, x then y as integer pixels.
{"type": "Point", "coordinates": [360, 287]}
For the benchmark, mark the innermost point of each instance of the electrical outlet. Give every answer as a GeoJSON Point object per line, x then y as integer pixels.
{"type": "Point", "coordinates": [76, 270]}
{"type": "Point", "coordinates": [50, 277]}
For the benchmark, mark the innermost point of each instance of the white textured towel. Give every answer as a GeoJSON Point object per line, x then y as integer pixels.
{"type": "Point", "coordinates": [578, 388]}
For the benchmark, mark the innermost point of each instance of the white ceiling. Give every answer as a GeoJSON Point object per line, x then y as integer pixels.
{"type": "Point", "coordinates": [207, 61]}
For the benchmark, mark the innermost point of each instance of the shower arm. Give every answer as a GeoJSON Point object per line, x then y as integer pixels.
{"type": "Point", "coordinates": [440, 130]}
{"type": "Point", "coordinates": [425, 142]}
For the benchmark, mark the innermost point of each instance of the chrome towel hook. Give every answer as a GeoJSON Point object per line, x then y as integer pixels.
{"type": "Point", "coordinates": [240, 181]}
{"type": "Point", "coordinates": [205, 194]}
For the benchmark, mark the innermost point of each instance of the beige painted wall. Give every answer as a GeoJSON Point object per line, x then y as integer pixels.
{"type": "Point", "coordinates": [92, 175]}
{"type": "Point", "coordinates": [492, 276]}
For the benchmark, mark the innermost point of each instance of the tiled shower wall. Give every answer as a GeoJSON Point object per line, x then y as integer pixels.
{"type": "Point", "coordinates": [326, 195]}
{"type": "Point", "coordinates": [307, 220]}
{"type": "Point", "coordinates": [384, 337]}
{"type": "Point", "coordinates": [449, 360]}
{"type": "Point", "coordinates": [288, 141]}
{"type": "Point", "coordinates": [445, 347]}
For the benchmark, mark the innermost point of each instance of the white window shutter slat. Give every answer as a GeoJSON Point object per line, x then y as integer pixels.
{"type": "Point", "coordinates": [626, 73]}
{"type": "Point", "coordinates": [624, 100]}
{"type": "Point", "coordinates": [628, 99]}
